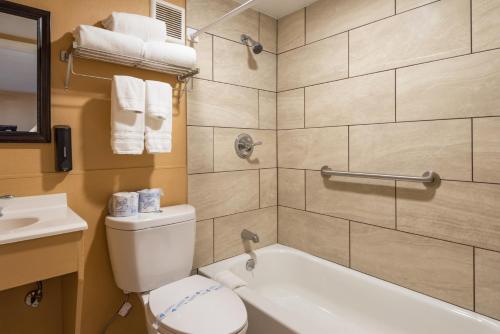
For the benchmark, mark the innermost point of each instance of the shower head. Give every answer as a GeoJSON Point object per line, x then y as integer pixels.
{"type": "Point", "coordinates": [256, 46]}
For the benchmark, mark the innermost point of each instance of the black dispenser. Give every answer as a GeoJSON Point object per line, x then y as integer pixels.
{"type": "Point", "coordinates": [64, 160]}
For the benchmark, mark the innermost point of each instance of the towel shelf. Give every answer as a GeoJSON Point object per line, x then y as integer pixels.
{"type": "Point", "coordinates": [183, 73]}
{"type": "Point", "coordinates": [428, 177]}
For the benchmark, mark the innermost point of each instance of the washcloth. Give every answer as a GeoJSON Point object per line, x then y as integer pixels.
{"type": "Point", "coordinates": [229, 279]}
{"type": "Point", "coordinates": [127, 115]}
{"type": "Point", "coordinates": [158, 129]}
{"type": "Point", "coordinates": [108, 41]}
{"type": "Point", "coordinates": [143, 27]}
{"type": "Point", "coordinates": [171, 53]}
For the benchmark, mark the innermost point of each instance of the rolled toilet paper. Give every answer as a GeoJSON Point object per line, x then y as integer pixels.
{"type": "Point", "coordinates": [149, 200]}
{"type": "Point", "coordinates": [123, 204]}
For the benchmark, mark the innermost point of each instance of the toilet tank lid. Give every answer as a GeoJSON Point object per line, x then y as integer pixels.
{"type": "Point", "coordinates": [166, 216]}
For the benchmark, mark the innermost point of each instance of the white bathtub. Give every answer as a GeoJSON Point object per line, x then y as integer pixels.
{"type": "Point", "coordinates": [290, 291]}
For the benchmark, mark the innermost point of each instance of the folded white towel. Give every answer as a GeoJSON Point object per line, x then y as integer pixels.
{"type": "Point", "coordinates": [130, 93]}
{"type": "Point", "coordinates": [158, 99]}
{"type": "Point", "coordinates": [108, 41]}
{"type": "Point", "coordinates": [171, 53]}
{"type": "Point", "coordinates": [158, 135]}
{"type": "Point", "coordinates": [143, 27]}
{"type": "Point", "coordinates": [158, 117]}
{"type": "Point", "coordinates": [229, 279]}
{"type": "Point", "coordinates": [127, 115]}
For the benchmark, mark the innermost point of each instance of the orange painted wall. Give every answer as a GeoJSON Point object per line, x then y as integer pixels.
{"type": "Point", "coordinates": [28, 169]}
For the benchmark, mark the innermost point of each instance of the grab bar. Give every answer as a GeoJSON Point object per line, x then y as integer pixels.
{"type": "Point", "coordinates": [429, 177]}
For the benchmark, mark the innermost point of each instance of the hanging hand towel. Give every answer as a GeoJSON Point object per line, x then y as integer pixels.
{"type": "Point", "coordinates": [158, 130]}
{"type": "Point", "coordinates": [127, 115]}
{"type": "Point", "coordinates": [158, 99]}
{"type": "Point", "coordinates": [108, 41]}
{"type": "Point", "coordinates": [143, 27]}
{"type": "Point", "coordinates": [174, 54]}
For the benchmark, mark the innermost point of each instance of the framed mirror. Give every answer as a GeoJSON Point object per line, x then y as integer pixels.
{"type": "Point", "coordinates": [24, 74]}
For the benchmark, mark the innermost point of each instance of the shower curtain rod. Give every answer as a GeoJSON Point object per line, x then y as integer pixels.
{"type": "Point", "coordinates": [223, 18]}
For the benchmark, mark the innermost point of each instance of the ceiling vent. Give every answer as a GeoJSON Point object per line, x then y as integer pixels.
{"type": "Point", "coordinates": [174, 18]}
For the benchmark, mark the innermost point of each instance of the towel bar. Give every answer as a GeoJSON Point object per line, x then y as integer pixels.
{"type": "Point", "coordinates": [183, 73]}
{"type": "Point", "coordinates": [429, 177]}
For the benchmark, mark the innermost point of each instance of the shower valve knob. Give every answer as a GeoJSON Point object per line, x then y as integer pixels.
{"type": "Point", "coordinates": [244, 145]}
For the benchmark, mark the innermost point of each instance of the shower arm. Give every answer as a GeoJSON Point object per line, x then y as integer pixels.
{"type": "Point", "coordinates": [223, 18]}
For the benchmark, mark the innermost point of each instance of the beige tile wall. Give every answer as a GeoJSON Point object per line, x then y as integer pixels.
{"type": "Point", "coordinates": [395, 87]}
{"type": "Point", "coordinates": [234, 93]}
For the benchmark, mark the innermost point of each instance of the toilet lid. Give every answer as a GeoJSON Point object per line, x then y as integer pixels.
{"type": "Point", "coordinates": [197, 305]}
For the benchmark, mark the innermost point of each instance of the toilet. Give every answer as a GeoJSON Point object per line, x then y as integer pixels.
{"type": "Point", "coordinates": [152, 255]}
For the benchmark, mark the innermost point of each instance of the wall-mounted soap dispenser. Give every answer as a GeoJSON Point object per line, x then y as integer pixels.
{"type": "Point", "coordinates": [64, 159]}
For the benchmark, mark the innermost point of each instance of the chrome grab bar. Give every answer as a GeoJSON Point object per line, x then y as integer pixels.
{"type": "Point", "coordinates": [428, 177]}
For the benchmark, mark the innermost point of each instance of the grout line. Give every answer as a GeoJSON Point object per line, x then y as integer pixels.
{"type": "Point", "coordinates": [471, 50]}
{"type": "Point", "coordinates": [395, 96]}
{"type": "Point", "coordinates": [349, 244]}
{"type": "Point", "coordinates": [348, 148]}
{"type": "Point", "coordinates": [234, 84]}
{"type": "Point", "coordinates": [395, 204]}
{"type": "Point", "coordinates": [213, 58]}
{"type": "Point", "coordinates": [474, 279]}
{"type": "Point", "coordinates": [472, 147]}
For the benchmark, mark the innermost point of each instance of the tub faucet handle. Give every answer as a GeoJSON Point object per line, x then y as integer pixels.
{"type": "Point", "coordinates": [248, 235]}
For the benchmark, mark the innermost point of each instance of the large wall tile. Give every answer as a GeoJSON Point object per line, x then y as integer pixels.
{"type": "Point", "coordinates": [368, 201]}
{"type": "Point", "coordinates": [404, 5]}
{"type": "Point", "coordinates": [267, 110]}
{"type": "Point", "coordinates": [400, 40]}
{"type": "Point", "coordinates": [292, 188]}
{"type": "Point", "coordinates": [204, 59]}
{"type": "Point", "coordinates": [225, 158]}
{"type": "Point", "coordinates": [268, 31]}
{"type": "Point", "coordinates": [361, 100]}
{"type": "Point", "coordinates": [412, 148]}
{"type": "Point", "coordinates": [200, 149]}
{"type": "Point", "coordinates": [291, 31]}
{"type": "Point", "coordinates": [326, 17]}
{"type": "Point", "coordinates": [487, 149]}
{"type": "Point", "coordinates": [485, 24]}
{"type": "Point", "coordinates": [438, 268]}
{"type": "Point", "coordinates": [227, 232]}
{"type": "Point", "coordinates": [220, 194]}
{"type": "Point", "coordinates": [201, 12]}
{"type": "Point", "coordinates": [291, 109]}
{"type": "Point", "coordinates": [268, 187]}
{"type": "Point", "coordinates": [465, 86]}
{"type": "Point", "coordinates": [322, 236]}
{"type": "Point", "coordinates": [463, 212]}
{"type": "Point", "coordinates": [236, 64]}
{"type": "Point", "coordinates": [313, 148]}
{"type": "Point", "coordinates": [488, 283]}
{"type": "Point", "coordinates": [204, 248]}
{"type": "Point", "coordinates": [315, 63]}
{"type": "Point", "coordinates": [216, 104]}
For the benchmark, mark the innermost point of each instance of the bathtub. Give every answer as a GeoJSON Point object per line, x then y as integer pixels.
{"type": "Point", "coordinates": [290, 291]}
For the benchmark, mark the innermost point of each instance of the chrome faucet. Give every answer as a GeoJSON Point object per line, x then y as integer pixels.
{"type": "Point", "coordinates": [1, 214]}
{"type": "Point", "coordinates": [248, 235]}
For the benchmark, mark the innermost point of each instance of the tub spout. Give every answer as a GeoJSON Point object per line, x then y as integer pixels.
{"type": "Point", "coordinates": [248, 235]}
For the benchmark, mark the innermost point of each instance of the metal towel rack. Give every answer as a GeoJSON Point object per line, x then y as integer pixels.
{"type": "Point", "coordinates": [183, 73]}
{"type": "Point", "coordinates": [429, 177]}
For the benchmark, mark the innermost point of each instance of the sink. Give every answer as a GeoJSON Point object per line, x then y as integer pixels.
{"type": "Point", "coordinates": [32, 217]}
{"type": "Point", "coordinates": [10, 225]}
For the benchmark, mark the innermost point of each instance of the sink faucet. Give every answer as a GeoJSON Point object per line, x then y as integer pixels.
{"type": "Point", "coordinates": [248, 235]}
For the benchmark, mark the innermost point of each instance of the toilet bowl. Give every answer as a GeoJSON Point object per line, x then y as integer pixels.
{"type": "Point", "coordinates": [152, 254]}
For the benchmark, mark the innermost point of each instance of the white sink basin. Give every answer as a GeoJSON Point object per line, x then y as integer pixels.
{"type": "Point", "coordinates": [26, 218]}
{"type": "Point", "coordinates": [11, 225]}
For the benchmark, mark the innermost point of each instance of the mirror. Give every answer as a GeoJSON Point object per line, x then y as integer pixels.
{"type": "Point", "coordinates": [24, 73]}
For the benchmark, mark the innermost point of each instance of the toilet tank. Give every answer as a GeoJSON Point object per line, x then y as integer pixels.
{"type": "Point", "coordinates": [150, 250]}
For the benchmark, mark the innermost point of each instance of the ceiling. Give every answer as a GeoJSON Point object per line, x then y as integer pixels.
{"type": "Point", "coordinates": [279, 8]}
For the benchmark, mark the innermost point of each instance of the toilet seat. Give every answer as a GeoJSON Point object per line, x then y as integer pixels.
{"type": "Point", "coordinates": [196, 305]}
